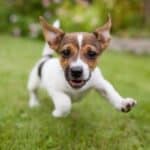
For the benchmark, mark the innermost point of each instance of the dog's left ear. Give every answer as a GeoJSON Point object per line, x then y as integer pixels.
{"type": "Point", "coordinates": [103, 34]}
{"type": "Point", "coordinates": [53, 35]}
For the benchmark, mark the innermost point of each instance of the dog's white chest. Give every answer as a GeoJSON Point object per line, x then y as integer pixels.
{"type": "Point", "coordinates": [76, 95]}
{"type": "Point", "coordinates": [53, 79]}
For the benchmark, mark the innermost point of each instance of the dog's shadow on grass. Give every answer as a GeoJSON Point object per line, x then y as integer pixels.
{"type": "Point", "coordinates": [79, 117]}
{"type": "Point", "coordinates": [87, 122]}
{"type": "Point", "coordinates": [83, 114]}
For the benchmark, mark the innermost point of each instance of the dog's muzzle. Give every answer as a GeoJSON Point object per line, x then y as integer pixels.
{"type": "Point", "coordinates": [75, 76]}
{"type": "Point", "coordinates": [76, 72]}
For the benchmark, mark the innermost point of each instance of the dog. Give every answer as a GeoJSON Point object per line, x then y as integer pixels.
{"type": "Point", "coordinates": [75, 71]}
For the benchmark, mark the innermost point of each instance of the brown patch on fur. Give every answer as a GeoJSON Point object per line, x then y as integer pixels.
{"type": "Point", "coordinates": [59, 41]}
{"type": "Point", "coordinates": [64, 63]}
{"type": "Point", "coordinates": [103, 34]}
{"type": "Point", "coordinates": [89, 42]}
{"type": "Point", "coordinates": [69, 38]}
{"type": "Point", "coordinates": [69, 42]}
{"type": "Point", "coordinates": [90, 39]}
{"type": "Point", "coordinates": [52, 35]}
{"type": "Point", "coordinates": [83, 53]}
{"type": "Point", "coordinates": [74, 53]}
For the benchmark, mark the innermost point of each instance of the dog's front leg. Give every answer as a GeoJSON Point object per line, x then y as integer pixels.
{"type": "Point", "coordinates": [62, 103]}
{"type": "Point", "coordinates": [107, 90]}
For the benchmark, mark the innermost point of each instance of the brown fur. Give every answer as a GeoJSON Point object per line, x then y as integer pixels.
{"type": "Point", "coordinates": [70, 42]}
{"type": "Point", "coordinates": [59, 41]}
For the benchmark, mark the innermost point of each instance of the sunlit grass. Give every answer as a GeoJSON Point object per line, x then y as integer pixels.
{"type": "Point", "coordinates": [93, 123]}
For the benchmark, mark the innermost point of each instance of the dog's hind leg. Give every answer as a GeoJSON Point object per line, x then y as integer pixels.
{"type": "Point", "coordinates": [33, 85]}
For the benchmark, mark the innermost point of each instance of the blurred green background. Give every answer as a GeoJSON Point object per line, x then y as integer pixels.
{"type": "Point", "coordinates": [130, 17]}
{"type": "Point", "coordinates": [93, 124]}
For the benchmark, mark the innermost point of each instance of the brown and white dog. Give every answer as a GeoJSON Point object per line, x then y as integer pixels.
{"type": "Point", "coordinates": [67, 77]}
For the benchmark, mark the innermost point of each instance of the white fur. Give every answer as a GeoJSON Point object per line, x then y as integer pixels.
{"type": "Point", "coordinates": [56, 24]}
{"type": "Point", "coordinates": [47, 50]}
{"type": "Point", "coordinates": [62, 94]}
{"type": "Point", "coordinates": [80, 63]}
{"type": "Point", "coordinates": [80, 39]}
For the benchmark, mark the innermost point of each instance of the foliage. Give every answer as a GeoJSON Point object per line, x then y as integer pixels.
{"type": "Point", "coordinates": [20, 17]}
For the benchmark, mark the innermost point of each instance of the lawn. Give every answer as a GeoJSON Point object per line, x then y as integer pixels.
{"type": "Point", "coordinates": [93, 123]}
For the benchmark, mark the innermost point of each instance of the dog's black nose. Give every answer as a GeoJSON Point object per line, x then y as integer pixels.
{"type": "Point", "coordinates": [76, 72]}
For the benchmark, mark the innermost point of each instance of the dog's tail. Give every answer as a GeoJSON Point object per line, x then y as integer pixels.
{"type": "Point", "coordinates": [47, 50]}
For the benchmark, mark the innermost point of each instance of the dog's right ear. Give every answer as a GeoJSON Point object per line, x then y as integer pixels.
{"type": "Point", "coordinates": [103, 33]}
{"type": "Point", "coordinates": [53, 36]}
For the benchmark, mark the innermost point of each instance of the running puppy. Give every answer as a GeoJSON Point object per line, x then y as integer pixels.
{"type": "Point", "coordinates": [66, 78]}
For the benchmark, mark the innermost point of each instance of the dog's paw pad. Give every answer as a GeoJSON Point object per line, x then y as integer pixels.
{"type": "Point", "coordinates": [127, 104]}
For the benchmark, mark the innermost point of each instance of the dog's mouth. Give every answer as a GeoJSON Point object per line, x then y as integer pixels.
{"type": "Point", "coordinates": [76, 83]}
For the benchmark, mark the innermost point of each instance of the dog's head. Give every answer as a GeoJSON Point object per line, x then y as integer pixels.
{"type": "Point", "coordinates": [78, 51]}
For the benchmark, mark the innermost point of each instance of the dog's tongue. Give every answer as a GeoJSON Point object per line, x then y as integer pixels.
{"type": "Point", "coordinates": [77, 81]}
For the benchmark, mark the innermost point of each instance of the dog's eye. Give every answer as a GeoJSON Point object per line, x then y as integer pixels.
{"type": "Point", "coordinates": [91, 54]}
{"type": "Point", "coordinates": [66, 53]}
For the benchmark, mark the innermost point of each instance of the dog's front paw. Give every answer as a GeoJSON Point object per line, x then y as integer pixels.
{"type": "Point", "coordinates": [59, 114]}
{"type": "Point", "coordinates": [33, 103]}
{"type": "Point", "coordinates": [127, 104]}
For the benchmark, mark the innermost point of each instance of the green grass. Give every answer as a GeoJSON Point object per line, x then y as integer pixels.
{"type": "Point", "coordinates": [93, 123]}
